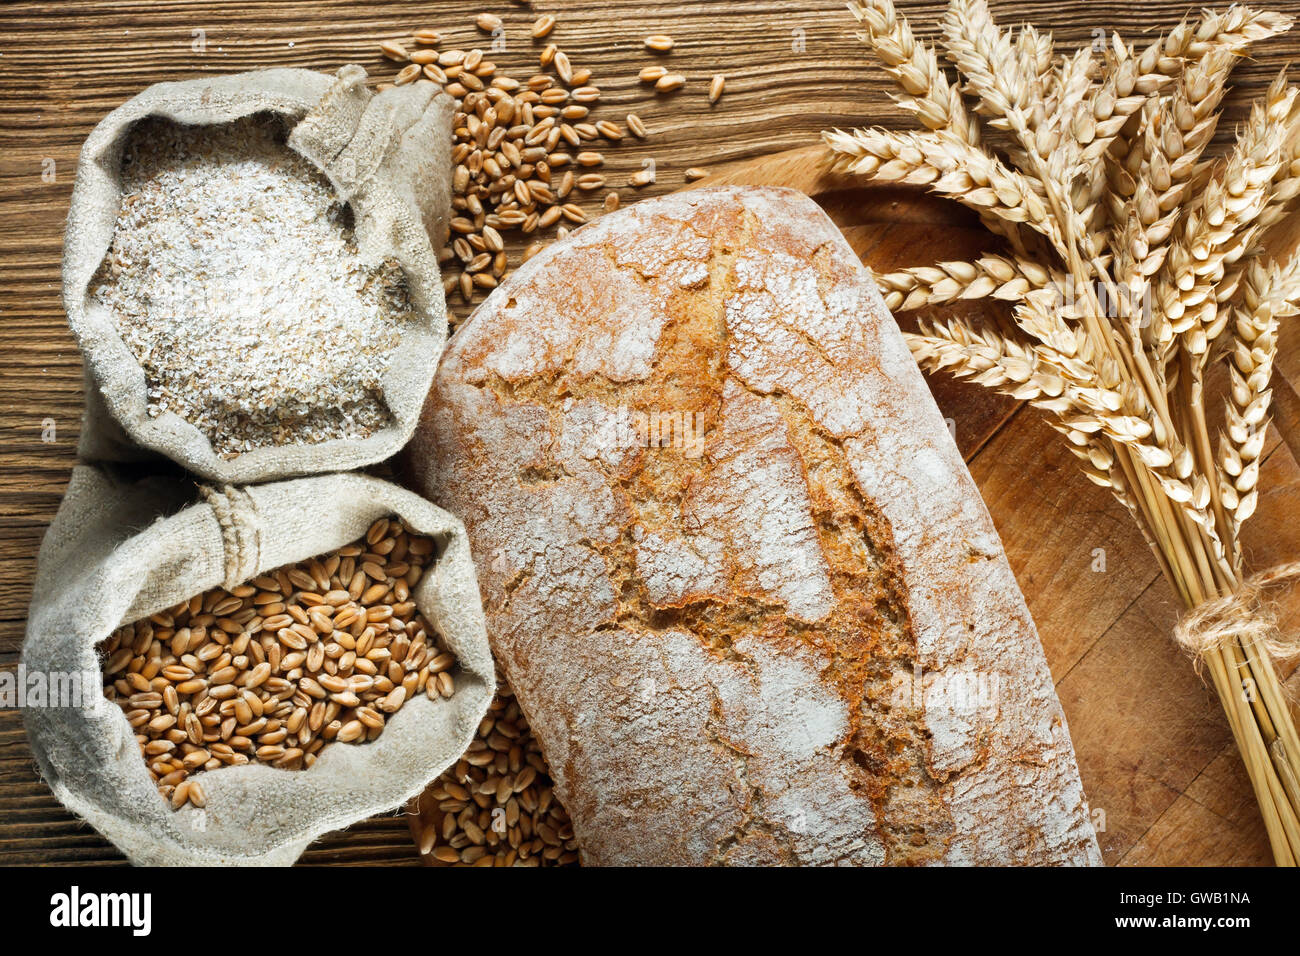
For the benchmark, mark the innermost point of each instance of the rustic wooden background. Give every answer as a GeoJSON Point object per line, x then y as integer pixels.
{"type": "Point", "coordinates": [1156, 756]}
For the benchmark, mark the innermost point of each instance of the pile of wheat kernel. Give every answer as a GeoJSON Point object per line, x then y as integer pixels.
{"type": "Point", "coordinates": [276, 669]}
{"type": "Point", "coordinates": [234, 278]}
{"type": "Point", "coordinates": [523, 153]}
{"type": "Point", "coordinates": [497, 805]}
{"type": "Point", "coordinates": [526, 152]}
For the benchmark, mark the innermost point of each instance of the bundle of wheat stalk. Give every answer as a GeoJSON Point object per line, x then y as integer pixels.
{"type": "Point", "coordinates": [1133, 259]}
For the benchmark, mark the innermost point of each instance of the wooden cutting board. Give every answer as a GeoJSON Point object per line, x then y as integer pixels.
{"type": "Point", "coordinates": [1158, 763]}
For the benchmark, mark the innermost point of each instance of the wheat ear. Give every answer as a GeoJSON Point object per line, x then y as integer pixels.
{"type": "Point", "coordinates": [914, 68]}
{"type": "Point", "coordinates": [947, 166]}
{"type": "Point", "coordinates": [1149, 188]}
{"type": "Point", "coordinates": [1216, 230]}
{"type": "Point", "coordinates": [1008, 278]}
{"type": "Point", "coordinates": [1269, 293]}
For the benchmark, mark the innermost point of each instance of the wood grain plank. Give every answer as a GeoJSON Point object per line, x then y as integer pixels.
{"type": "Point", "coordinates": [1189, 834]}
{"type": "Point", "coordinates": [1144, 725]}
{"type": "Point", "coordinates": [1080, 560]}
{"type": "Point", "coordinates": [794, 68]}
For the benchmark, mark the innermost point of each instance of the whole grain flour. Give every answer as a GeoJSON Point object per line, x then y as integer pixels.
{"type": "Point", "coordinates": [249, 271]}
{"type": "Point", "coordinates": [234, 278]}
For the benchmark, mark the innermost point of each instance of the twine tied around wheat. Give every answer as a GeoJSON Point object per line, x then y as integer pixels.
{"type": "Point", "coordinates": [1243, 616]}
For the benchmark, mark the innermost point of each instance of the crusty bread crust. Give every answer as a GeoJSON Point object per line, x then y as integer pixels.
{"type": "Point", "coordinates": [732, 562]}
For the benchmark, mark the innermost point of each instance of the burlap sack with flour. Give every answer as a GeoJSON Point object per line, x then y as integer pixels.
{"type": "Point", "coordinates": [387, 155]}
{"type": "Point", "coordinates": [121, 550]}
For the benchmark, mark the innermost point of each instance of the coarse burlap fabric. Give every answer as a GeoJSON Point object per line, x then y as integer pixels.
{"type": "Point", "coordinates": [388, 155]}
{"type": "Point", "coordinates": [120, 550]}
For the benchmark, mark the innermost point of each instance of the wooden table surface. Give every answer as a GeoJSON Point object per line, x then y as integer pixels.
{"type": "Point", "coordinates": [1157, 759]}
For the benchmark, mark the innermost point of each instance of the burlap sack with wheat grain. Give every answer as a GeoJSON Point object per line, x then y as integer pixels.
{"type": "Point", "coordinates": [120, 550]}
{"type": "Point", "coordinates": [387, 155]}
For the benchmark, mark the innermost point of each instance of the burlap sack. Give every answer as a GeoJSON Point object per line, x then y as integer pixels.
{"type": "Point", "coordinates": [120, 550]}
{"type": "Point", "coordinates": [386, 154]}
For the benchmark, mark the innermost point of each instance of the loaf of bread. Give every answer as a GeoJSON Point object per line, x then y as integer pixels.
{"type": "Point", "coordinates": [732, 562]}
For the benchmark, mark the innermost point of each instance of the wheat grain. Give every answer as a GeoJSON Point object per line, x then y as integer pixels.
{"type": "Point", "coordinates": [986, 58]}
{"type": "Point", "coordinates": [207, 683]}
{"type": "Point", "coordinates": [1269, 293]}
{"type": "Point", "coordinates": [1216, 229]}
{"type": "Point", "coordinates": [1066, 123]}
{"type": "Point", "coordinates": [1131, 78]}
{"type": "Point", "coordinates": [1034, 60]}
{"type": "Point", "coordinates": [497, 805]}
{"type": "Point", "coordinates": [986, 358]}
{"type": "Point", "coordinates": [1285, 186]}
{"type": "Point", "coordinates": [1236, 28]}
{"type": "Point", "coordinates": [506, 137]}
{"type": "Point", "coordinates": [1157, 177]}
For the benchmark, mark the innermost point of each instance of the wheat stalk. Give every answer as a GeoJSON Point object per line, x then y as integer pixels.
{"type": "Point", "coordinates": [1140, 276]}
{"type": "Point", "coordinates": [1131, 78]}
{"type": "Point", "coordinates": [1034, 59]}
{"type": "Point", "coordinates": [986, 59]}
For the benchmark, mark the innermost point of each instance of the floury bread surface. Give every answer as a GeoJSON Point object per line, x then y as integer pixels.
{"type": "Point", "coordinates": [733, 564]}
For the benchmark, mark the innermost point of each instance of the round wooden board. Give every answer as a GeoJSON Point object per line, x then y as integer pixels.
{"type": "Point", "coordinates": [1158, 763]}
